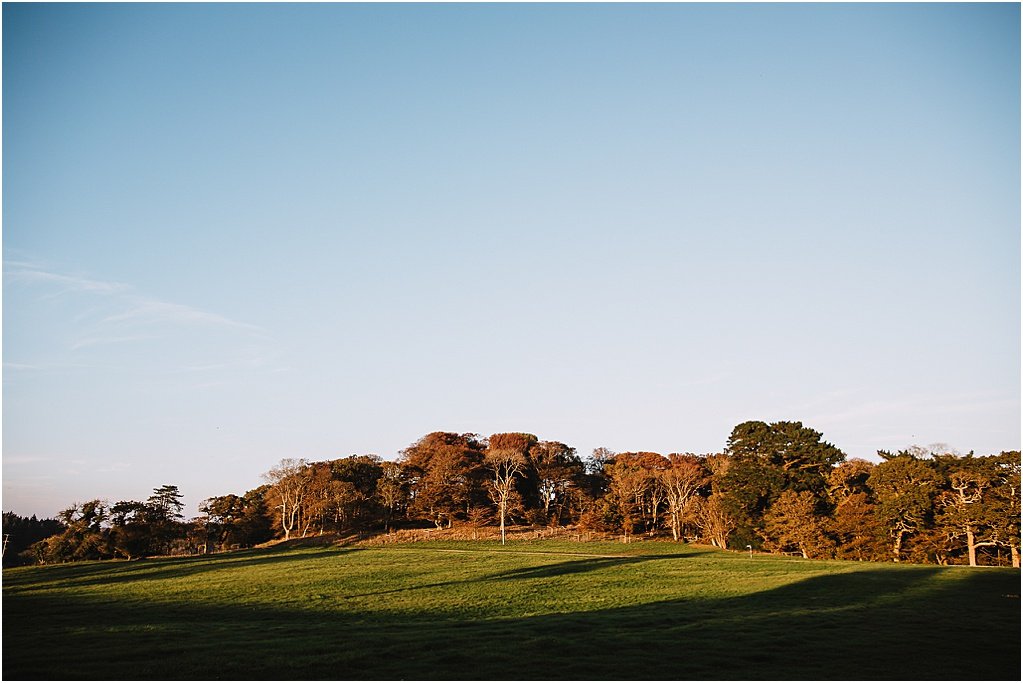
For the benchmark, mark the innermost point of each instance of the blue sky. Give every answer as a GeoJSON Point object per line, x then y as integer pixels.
{"type": "Point", "coordinates": [238, 233]}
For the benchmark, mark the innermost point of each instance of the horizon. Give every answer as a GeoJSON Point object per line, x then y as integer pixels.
{"type": "Point", "coordinates": [236, 234]}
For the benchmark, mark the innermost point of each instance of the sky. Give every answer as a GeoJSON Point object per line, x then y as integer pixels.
{"type": "Point", "coordinates": [239, 233]}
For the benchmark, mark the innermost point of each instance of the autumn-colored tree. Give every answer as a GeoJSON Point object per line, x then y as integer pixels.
{"type": "Point", "coordinates": [446, 475]}
{"type": "Point", "coordinates": [339, 493]}
{"type": "Point", "coordinates": [289, 485]}
{"type": "Point", "coordinates": [631, 480]}
{"type": "Point", "coordinates": [682, 480]}
{"type": "Point", "coordinates": [392, 491]}
{"type": "Point", "coordinates": [558, 471]}
{"type": "Point", "coordinates": [853, 523]}
{"type": "Point", "coordinates": [858, 534]}
{"type": "Point", "coordinates": [320, 503]}
{"type": "Point", "coordinates": [713, 517]}
{"type": "Point", "coordinates": [362, 470]}
{"type": "Point", "coordinates": [83, 537]}
{"type": "Point", "coordinates": [794, 523]}
{"type": "Point", "coordinates": [849, 478]}
{"type": "Point", "coordinates": [478, 517]}
{"type": "Point", "coordinates": [506, 458]}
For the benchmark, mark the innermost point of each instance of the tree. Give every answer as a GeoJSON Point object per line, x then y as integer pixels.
{"type": "Point", "coordinates": [714, 518]}
{"type": "Point", "coordinates": [321, 500]}
{"type": "Point", "coordinates": [165, 517]}
{"type": "Point", "coordinates": [256, 522]}
{"type": "Point", "coordinates": [220, 515]}
{"type": "Point", "coordinates": [961, 507]}
{"type": "Point", "coordinates": [682, 481]}
{"type": "Point", "coordinates": [632, 477]}
{"type": "Point", "coordinates": [289, 484]}
{"type": "Point", "coordinates": [83, 537]}
{"type": "Point", "coordinates": [392, 490]}
{"type": "Point", "coordinates": [599, 459]}
{"type": "Point", "coordinates": [793, 522]}
{"type": "Point", "coordinates": [346, 501]}
{"type": "Point", "coordinates": [166, 502]}
{"type": "Point", "coordinates": [854, 525]}
{"type": "Point", "coordinates": [558, 469]}
{"type": "Point", "coordinates": [766, 459]}
{"type": "Point", "coordinates": [506, 458]}
{"type": "Point", "coordinates": [445, 475]}
{"type": "Point", "coordinates": [797, 451]}
{"type": "Point", "coordinates": [478, 517]}
{"type": "Point", "coordinates": [904, 487]}
{"type": "Point", "coordinates": [971, 507]}
{"type": "Point", "coordinates": [849, 478]}
{"type": "Point", "coordinates": [132, 528]}
{"type": "Point", "coordinates": [1006, 501]}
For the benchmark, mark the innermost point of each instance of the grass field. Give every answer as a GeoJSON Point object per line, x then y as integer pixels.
{"type": "Point", "coordinates": [529, 610]}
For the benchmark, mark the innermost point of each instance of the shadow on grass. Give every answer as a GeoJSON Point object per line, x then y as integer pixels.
{"type": "Point", "coordinates": [565, 568]}
{"type": "Point", "coordinates": [901, 623]}
{"type": "Point", "coordinates": [124, 571]}
{"type": "Point", "coordinates": [573, 567]}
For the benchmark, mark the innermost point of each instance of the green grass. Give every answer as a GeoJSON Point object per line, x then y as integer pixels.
{"type": "Point", "coordinates": [530, 610]}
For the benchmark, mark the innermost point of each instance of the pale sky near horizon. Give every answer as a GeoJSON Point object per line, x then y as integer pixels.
{"type": "Point", "coordinates": [238, 233]}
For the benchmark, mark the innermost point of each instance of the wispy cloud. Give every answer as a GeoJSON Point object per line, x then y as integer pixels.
{"type": "Point", "coordinates": [102, 341]}
{"type": "Point", "coordinates": [20, 366]}
{"type": "Point", "coordinates": [151, 311]}
{"type": "Point", "coordinates": [115, 313]}
{"type": "Point", "coordinates": [19, 271]}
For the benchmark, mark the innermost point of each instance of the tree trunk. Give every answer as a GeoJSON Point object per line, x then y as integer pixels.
{"type": "Point", "coordinates": [501, 508]}
{"type": "Point", "coordinates": [897, 546]}
{"type": "Point", "coordinates": [971, 547]}
{"type": "Point", "coordinates": [1014, 549]}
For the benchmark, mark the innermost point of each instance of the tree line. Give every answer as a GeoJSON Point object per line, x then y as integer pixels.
{"type": "Point", "coordinates": [776, 487]}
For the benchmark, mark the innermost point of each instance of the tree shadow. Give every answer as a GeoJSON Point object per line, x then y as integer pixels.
{"type": "Point", "coordinates": [125, 571]}
{"type": "Point", "coordinates": [569, 567]}
{"type": "Point", "coordinates": [565, 568]}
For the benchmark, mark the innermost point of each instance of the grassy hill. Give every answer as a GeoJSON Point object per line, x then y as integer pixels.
{"type": "Point", "coordinates": [529, 610]}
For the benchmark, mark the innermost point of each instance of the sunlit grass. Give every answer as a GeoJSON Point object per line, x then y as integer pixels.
{"type": "Point", "coordinates": [528, 610]}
